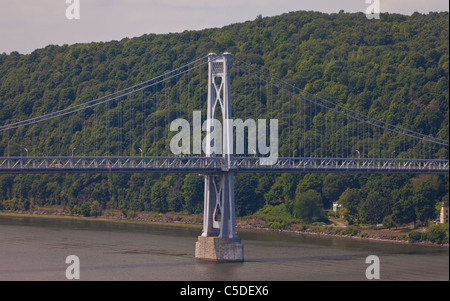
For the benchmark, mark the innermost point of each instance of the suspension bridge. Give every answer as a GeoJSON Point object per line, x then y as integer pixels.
{"type": "Point", "coordinates": [130, 131]}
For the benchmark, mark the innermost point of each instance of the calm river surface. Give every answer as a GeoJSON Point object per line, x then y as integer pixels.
{"type": "Point", "coordinates": [35, 248]}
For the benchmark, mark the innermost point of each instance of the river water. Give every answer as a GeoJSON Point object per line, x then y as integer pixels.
{"type": "Point", "coordinates": [35, 248]}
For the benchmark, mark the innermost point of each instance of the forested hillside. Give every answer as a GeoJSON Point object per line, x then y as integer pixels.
{"type": "Point", "coordinates": [395, 69]}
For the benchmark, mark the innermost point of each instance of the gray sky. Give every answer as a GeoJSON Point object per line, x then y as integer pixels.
{"type": "Point", "coordinates": [26, 25]}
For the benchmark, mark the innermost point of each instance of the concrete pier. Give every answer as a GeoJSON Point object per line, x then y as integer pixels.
{"type": "Point", "coordinates": [218, 249]}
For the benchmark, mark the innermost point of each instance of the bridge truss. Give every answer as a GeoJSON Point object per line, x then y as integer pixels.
{"type": "Point", "coordinates": [215, 165]}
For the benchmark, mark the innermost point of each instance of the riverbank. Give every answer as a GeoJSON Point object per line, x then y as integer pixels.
{"type": "Point", "coordinates": [404, 235]}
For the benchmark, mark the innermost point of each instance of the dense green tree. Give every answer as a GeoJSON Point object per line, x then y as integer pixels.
{"type": "Point", "coordinates": [424, 199]}
{"type": "Point", "coordinates": [310, 181]}
{"type": "Point", "coordinates": [247, 199]}
{"type": "Point", "coordinates": [308, 206]}
{"type": "Point", "coordinates": [350, 199]}
{"type": "Point", "coordinates": [193, 191]}
{"type": "Point", "coordinates": [334, 185]}
{"type": "Point", "coordinates": [403, 210]}
{"type": "Point", "coordinates": [374, 208]}
{"type": "Point", "coordinates": [159, 197]}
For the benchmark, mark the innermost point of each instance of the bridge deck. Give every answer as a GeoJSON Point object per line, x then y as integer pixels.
{"type": "Point", "coordinates": [213, 165]}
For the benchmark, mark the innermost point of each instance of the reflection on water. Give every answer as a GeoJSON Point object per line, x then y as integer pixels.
{"type": "Point", "coordinates": [35, 248]}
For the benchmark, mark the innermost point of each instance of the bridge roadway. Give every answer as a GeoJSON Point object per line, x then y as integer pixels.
{"type": "Point", "coordinates": [216, 165]}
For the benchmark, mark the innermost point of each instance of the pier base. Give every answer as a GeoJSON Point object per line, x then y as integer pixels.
{"type": "Point", "coordinates": [219, 249]}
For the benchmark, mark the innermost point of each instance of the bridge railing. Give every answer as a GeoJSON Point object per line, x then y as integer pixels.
{"type": "Point", "coordinates": [108, 164]}
{"type": "Point", "coordinates": [298, 164]}
{"type": "Point", "coordinates": [206, 165]}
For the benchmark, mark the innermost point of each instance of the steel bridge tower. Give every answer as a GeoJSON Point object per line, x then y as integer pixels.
{"type": "Point", "coordinates": [219, 241]}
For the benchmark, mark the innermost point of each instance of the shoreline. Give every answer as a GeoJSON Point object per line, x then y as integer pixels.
{"type": "Point", "coordinates": [193, 221]}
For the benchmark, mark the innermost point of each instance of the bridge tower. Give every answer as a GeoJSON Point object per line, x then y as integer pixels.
{"type": "Point", "coordinates": [219, 241]}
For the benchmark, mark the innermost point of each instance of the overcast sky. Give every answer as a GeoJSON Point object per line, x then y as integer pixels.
{"type": "Point", "coordinates": [26, 25]}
